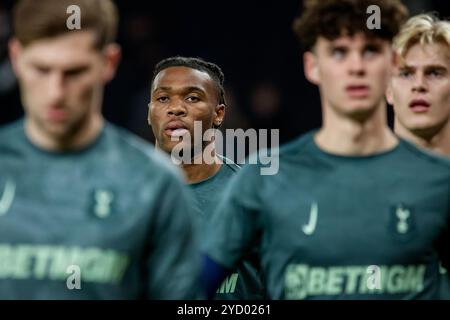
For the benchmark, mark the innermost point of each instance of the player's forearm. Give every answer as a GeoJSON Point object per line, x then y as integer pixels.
{"type": "Point", "coordinates": [212, 275]}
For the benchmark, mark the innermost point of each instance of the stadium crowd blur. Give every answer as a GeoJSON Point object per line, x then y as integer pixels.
{"type": "Point", "coordinates": [252, 41]}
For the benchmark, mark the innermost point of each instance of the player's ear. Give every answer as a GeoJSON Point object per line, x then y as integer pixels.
{"type": "Point", "coordinates": [149, 119]}
{"type": "Point", "coordinates": [389, 94]}
{"type": "Point", "coordinates": [389, 90]}
{"type": "Point", "coordinates": [395, 58]}
{"type": "Point", "coordinates": [311, 68]}
{"type": "Point", "coordinates": [112, 53]}
{"type": "Point", "coordinates": [15, 48]}
{"type": "Point", "coordinates": [219, 114]}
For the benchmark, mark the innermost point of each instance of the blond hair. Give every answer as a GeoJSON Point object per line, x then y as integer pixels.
{"type": "Point", "coordinates": [422, 29]}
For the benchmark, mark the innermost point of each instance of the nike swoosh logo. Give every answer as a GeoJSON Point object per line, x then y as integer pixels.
{"type": "Point", "coordinates": [309, 228]}
{"type": "Point", "coordinates": [8, 197]}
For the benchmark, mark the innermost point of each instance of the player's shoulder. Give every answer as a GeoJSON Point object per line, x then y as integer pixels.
{"type": "Point", "coordinates": [138, 153]}
{"type": "Point", "coordinates": [289, 150]}
{"type": "Point", "coordinates": [299, 148]}
{"type": "Point", "coordinates": [229, 164]}
{"type": "Point", "coordinates": [9, 132]}
{"type": "Point", "coordinates": [127, 143]}
{"type": "Point", "coordinates": [266, 162]}
{"type": "Point", "coordinates": [425, 157]}
{"type": "Point", "coordinates": [13, 144]}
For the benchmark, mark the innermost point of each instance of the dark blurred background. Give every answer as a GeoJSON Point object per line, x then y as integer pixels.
{"type": "Point", "coordinates": [252, 41]}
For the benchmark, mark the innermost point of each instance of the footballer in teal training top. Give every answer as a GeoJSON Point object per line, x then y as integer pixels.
{"type": "Point", "coordinates": [354, 212]}
{"type": "Point", "coordinates": [188, 92]}
{"type": "Point", "coordinates": [420, 89]}
{"type": "Point", "coordinates": [87, 211]}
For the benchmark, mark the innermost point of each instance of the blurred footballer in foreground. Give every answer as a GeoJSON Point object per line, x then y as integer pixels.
{"type": "Point", "coordinates": [80, 197]}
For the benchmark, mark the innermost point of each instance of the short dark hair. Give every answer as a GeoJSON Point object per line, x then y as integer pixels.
{"type": "Point", "coordinates": [212, 69]}
{"type": "Point", "coordinates": [333, 18]}
{"type": "Point", "coordinates": [38, 19]}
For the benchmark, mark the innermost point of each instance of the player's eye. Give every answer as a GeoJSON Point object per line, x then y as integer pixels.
{"type": "Point", "coordinates": [162, 99]}
{"type": "Point", "coordinates": [193, 99]}
{"type": "Point", "coordinates": [338, 53]}
{"type": "Point", "coordinates": [404, 73]}
{"type": "Point", "coordinates": [435, 73]}
{"type": "Point", "coordinates": [371, 50]}
{"type": "Point", "coordinates": [42, 70]}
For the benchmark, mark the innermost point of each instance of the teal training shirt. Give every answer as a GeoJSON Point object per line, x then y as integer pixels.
{"type": "Point", "coordinates": [209, 191]}
{"type": "Point", "coordinates": [340, 227]}
{"type": "Point", "coordinates": [114, 213]}
{"type": "Point", "coordinates": [246, 283]}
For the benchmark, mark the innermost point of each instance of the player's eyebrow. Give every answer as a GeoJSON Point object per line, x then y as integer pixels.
{"type": "Point", "coordinates": [184, 89]}
{"type": "Point", "coordinates": [404, 67]}
{"type": "Point", "coordinates": [68, 70]}
{"type": "Point", "coordinates": [435, 67]}
{"type": "Point", "coordinates": [425, 67]}
{"type": "Point", "coordinates": [339, 46]}
{"type": "Point", "coordinates": [76, 69]}
{"type": "Point", "coordinates": [374, 45]}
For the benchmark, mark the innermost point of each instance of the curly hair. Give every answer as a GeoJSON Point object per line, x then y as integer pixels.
{"type": "Point", "coordinates": [210, 68]}
{"type": "Point", "coordinates": [333, 18]}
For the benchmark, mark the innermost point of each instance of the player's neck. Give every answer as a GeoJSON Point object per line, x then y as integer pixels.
{"type": "Point", "coordinates": [438, 142]}
{"type": "Point", "coordinates": [83, 136]}
{"type": "Point", "coordinates": [199, 169]}
{"type": "Point", "coordinates": [342, 135]}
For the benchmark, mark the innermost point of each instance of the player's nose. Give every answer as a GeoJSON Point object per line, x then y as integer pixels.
{"type": "Point", "coordinates": [176, 108]}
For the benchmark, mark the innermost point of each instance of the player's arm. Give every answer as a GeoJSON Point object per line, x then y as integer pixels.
{"type": "Point", "coordinates": [233, 229]}
{"type": "Point", "coordinates": [443, 243]}
{"type": "Point", "coordinates": [173, 264]}
{"type": "Point", "coordinates": [212, 275]}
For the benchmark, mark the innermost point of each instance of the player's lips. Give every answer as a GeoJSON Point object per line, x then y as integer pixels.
{"type": "Point", "coordinates": [357, 90]}
{"type": "Point", "coordinates": [175, 128]}
{"type": "Point", "coordinates": [57, 114]}
{"type": "Point", "coordinates": [419, 105]}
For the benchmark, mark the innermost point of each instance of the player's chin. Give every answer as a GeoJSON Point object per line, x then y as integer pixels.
{"type": "Point", "coordinates": [421, 124]}
{"type": "Point", "coordinates": [174, 146]}
{"type": "Point", "coordinates": [360, 110]}
{"type": "Point", "coordinates": [62, 129]}
{"type": "Point", "coordinates": [57, 128]}
{"type": "Point", "coordinates": [354, 107]}
{"type": "Point", "coordinates": [165, 145]}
